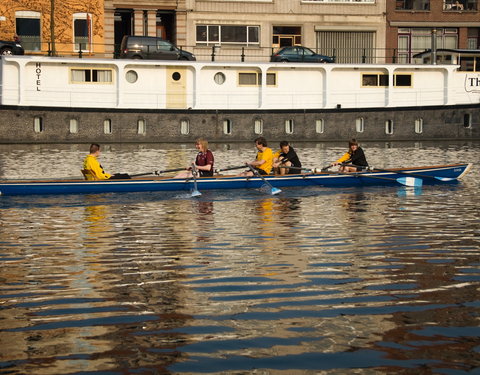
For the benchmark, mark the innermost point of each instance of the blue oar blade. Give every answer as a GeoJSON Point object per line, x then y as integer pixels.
{"type": "Point", "coordinates": [410, 181]}
{"type": "Point", "coordinates": [269, 189]}
{"type": "Point", "coordinates": [275, 191]}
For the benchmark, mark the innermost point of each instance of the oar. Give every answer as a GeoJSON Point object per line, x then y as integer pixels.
{"type": "Point", "coordinates": [157, 172]}
{"type": "Point", "coordinates": [444, 179]}
{"type": "Point", "coordinates": [407, 181]}
{"type": "Point", "coordinates": [195, 192]}
{"type": "Point", "coordinates": [230, 168]}
{"type": "Point", "coordinates": [306, 170]}
{"type": "Point", "coordinates": [273, 190]}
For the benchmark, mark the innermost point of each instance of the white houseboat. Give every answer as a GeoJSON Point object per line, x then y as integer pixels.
{"type": "Point", "coordinates": [50, 99]}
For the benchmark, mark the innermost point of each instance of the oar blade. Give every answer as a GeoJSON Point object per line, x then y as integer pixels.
{"type": "Point", "coordinates": [410, 181]}
{"type": "Point", "coordinates": [275, 191]}
{"type": "Point", "coordinates": [195, 193]}
{"type": "Point", "coordinates": [445, 179]}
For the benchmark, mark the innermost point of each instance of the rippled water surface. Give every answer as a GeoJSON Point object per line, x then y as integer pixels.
{"type": "Point", "coordinates": [310, 281]}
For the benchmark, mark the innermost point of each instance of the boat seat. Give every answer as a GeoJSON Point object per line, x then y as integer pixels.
{"type": "Point", "coordinates": [87, 174]}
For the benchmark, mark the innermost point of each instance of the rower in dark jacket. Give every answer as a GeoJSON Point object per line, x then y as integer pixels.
{"type": "Point", "coordinates": [354, 156]}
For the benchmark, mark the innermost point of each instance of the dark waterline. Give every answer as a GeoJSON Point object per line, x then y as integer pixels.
{"type": "Point", "coordinates": [369, 280]}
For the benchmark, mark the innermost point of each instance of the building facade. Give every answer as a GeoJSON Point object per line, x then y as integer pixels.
{"type": "Point", "coordinates": [76, 28]}
{"type": "Point", "coordinates": [416, 25]}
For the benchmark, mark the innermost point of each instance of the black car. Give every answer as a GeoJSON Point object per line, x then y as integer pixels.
{"type": "Point", "coordinates": [10, 48]}
{"type": "Point", "coordinates": [149, 47]}
{"type": "Point", "coordinates": [299, 54]}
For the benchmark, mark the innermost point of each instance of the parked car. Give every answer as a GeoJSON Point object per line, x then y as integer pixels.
{"type": "Point", "coordinates": [150, 47]}
{"type": "Point", "coordinates": [299, 54]}
{"type": "Point", "coordinates": [11, 48]}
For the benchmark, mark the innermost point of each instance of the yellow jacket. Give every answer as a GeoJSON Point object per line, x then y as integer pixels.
{"type": "Point", "coordinates": [344, 158]}
{"type": "Point", "coordinates": [266, 155]}
{"type": "Point", "coordinates": [96, 171]}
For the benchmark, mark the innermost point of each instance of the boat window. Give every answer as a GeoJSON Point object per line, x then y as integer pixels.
{"type": "Point", "coordinates": [467, 120]}
{"type": "Point", "coordinates": [227, 127]}
{"type": "Point", "coordinates": [91, 75]}
{"type": "Point", "coordinates": [402, 80]}
{"type": "Point", "coordinates": [141, 126]}
{"type": "Point", "coordinates": [258, 126]}
{"type": "Point", "coordinates": [131, 76]}
{"type": "Point", "coordinates": [219, 78]}
{"type": "Point", "coordinates": [184, 127]}
{"type": "Point", "coordinates": [419, 125]}
{"type": "Point", "coordinates": [289, 126]}
{"type": "Point", "coordinates": [176, 76]}
{"type": "Point", "coordinates": [360, 125]}
{"type": "Point", "coordinates": [320, 126]}
{"type": "Point", "coordinates": [389, 127]}
{"type": "Point", "coordinates": [374, 80]}
{"type": "Point", "coordinates": [107, 126]}
{"type": "Point", "coordinates": [255, 79]}
{"type": "Point", "coordinates": [73, 128]}
{"type": "Point", "coordinates": [38, 124]}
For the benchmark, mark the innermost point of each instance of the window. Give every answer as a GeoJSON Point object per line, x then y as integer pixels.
{"type": "Point", "coordinates": [402, 80]}
{"type": "Point", "coordinates": [141, 126]}
{"type": "Point", "coordinates": [360, 125]}
{"type": "Point", "coordinates": [184, 127]}
{"type": "Point", "coordinates": [289, 126]}
{"type": "Point", "coordinates": [91, 75]}
{"type": "Point", "coordinates": [107, 126]}
{"type": "Point", "coordinates": [320, 126]}
{"type": "Point", "coordinates": [227, 127]}
{"type": "Point", "coordinates": [255, 79]}
{"type": "Point", "coordinates": [456, 5]}
{"type": "Point", "coordinates": [73, 126]}
{"type": "Point", "coordinates": [389, 127]}
{"type": "Point", "coordinates": [419, 125]}
{"type": "Point", "coordinates": [412, 4]}
{"type": "Point", "coordinates": [82, 31]}
{"type": "Point", "coordinates": [219, 78]}
{"type": "Point", "coordinates": [131, 76]}
{"type": "Point", "coordinates": [227, 34]}
{"type": "Point", "coordinates": [38, 124]}
{"type": "Point", "coordinates": [467, 120]}
{"type": "Point", "coordinates": [258, 126]}
{"type": "Point", "coordinates": [338, 1]}
{"type": "Point", "coordinates": [375, 80]}
{"type": "Point", "coordinates": [28, 29]}
{"type": "Point", "coordinates": [414, 40]}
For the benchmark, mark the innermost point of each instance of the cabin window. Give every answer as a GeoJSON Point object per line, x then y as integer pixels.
{"type": "Point", "coordinates": [419, 125]}
{"type": "Point", "coordinates": [402, 80]}
{"type": "Point", "coordinates": [375, 80]}
{"type": "Point", "coordinates": [141, 126]}
{"type": "Point", "coordinates": [73, 126]}
{"type": "Point", "coordinates": [255, 79]}
{"type": "Point", "coordinates": [227, 34]}
{"type": "Point", "coordinates": [389, 127]}
{"type": "Point", "coordinates": [82, 31]}
{"type": "Point", "coordinates": [258, 126]}
{"type": "Point", "coordinates": [91, 75]}
{"type": "Point", "coordinates": [184, 127]}
{"type": "Point", "coordinates": [467, 120]}
{"type": "Point", "coordinates": [219, 78]}
{"type": "Point", "coordinates": [320, 126]}
{"type": "Point", "coordinates": [131, 76]}
{"type": "Point", "coordinates": [107, 126]}
{"type": "Point", "coordinates": [28, 29]}
{"type": "Point", "coordinates": [176, 76]}
{"type": "Point", "coordinates": [38, 124]}
{"type": "Point", "coordinates": [289, 126]}
{"type": "Point", "coordinates": [470, 63]}
{"type": "Point", "coordinates": [227, 127]}
{"type": "Point", "coordinates": [360, 125]}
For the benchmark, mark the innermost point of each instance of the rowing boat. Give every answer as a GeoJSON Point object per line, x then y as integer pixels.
{"type": "Point", "coordinates": [307, 178]}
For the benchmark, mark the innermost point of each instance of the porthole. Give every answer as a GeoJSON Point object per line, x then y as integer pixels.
{"type": "Point", "coordinates": [73, 126]}
{"type": "Point", "coordinates": [141, 126]}
{"type": "Point", "coordinates": [227, 127]}
{"type": "Point", "coordinates": [219, 78]}
{"type": "Point", "coordinates": [131, 76]}
{"type": "Point", "coordinates": [419, 125]}
{"type": "Point", "coordinates": [184, 127]}
{"type": "Point", "coordinates": [359, 124]}
{"type": "Point", "coordinates": [389, 127]}
{"type": "Point", "coordinates": [319, 126]}
{"type": "Point", "coordinates": [258, 126]}
{"type": "Point", "coordinates": [38, 124]}
{"type": "Point", "coordinates": [107, 126]}
{"type": "Point", "coordinates": [467, 120]}
{"type": "Point", "coordinates": [176, 76]}
{"type": "Point", "coordinates": [289, 126]}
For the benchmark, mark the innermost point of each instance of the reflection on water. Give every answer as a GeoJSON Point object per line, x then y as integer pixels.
{"type": "Point", "coordinates": [373, 280]}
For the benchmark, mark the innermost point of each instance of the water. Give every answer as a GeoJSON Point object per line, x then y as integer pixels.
{"type": "Point", "coordinates": [310, 281]}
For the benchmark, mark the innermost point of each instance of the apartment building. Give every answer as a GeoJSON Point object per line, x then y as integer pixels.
{"type": "Point", "coordinates": [416, 25]}
{"type": "Point", "coordinates": [350, 30]}
{"type": "Point", "coordinates": [76, 27]}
